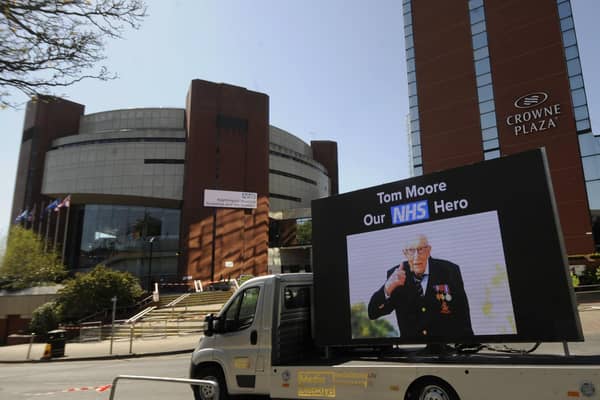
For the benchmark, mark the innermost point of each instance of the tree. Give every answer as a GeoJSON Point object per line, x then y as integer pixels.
{"type": "Point", "coordinates": [304, 231]}
{"type": "Point", "coordinates": [46, 44]}
{"type": "Point", "coordinates": [363, 327]}
{"type": "Point", "coordinates": [88, 293]}
{"type": "Point", "coordinates": [26, 264]}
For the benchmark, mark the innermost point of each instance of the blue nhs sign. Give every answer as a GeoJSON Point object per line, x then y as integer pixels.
{"type": "Point", "coordinates": [410, 212]}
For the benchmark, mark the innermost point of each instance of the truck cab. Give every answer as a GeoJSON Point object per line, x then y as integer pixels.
{"type": "Point", "coordinates": [267, 322]}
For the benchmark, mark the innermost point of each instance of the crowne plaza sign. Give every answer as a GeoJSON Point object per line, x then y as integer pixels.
{"type": "Point", "coordinates": [533, 114]}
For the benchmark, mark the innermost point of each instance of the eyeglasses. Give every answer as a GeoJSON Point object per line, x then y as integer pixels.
{"type": "Point", "coordinates": [419, 250]}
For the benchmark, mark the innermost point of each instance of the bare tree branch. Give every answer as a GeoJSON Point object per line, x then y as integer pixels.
{"type": "Point", "coordinates": [46, 44]}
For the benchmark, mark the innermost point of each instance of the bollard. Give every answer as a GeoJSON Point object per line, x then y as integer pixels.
{"type": "Point", "coordinates": [47, 352]}
{"type": "Point", "coordinates": [131, 331]}
{"type": "Point", "coordinates": [30, 344]}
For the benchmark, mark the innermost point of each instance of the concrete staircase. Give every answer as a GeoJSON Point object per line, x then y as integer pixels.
{"type": "Point", "coordinates": [174, 315]}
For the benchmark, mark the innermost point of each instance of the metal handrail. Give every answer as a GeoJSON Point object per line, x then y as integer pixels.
{"type": "Point", "coordinates": [196, 382]}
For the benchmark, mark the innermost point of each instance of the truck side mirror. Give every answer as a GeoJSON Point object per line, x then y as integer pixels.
{"type": "Point", "coordinates": [209, 328]}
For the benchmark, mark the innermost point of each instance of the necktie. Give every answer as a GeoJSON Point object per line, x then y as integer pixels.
{"type": "Point", "coordinates": [419, 287]}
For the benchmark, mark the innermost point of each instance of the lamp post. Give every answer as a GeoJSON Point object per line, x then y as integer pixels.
{"type": "Point", "coordinates": [151, 241]}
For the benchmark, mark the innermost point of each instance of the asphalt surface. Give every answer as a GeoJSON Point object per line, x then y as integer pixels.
{"type": "Point", "coordinates": [589, 314]}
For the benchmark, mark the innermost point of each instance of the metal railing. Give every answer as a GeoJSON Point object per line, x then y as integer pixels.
{"type": "Point", "coordinates": [210, 388]}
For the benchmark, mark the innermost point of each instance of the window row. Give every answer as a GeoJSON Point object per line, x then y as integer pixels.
{"type": "Point", "coordinates": [414, 126]}
{"type": "Point", "coordinates": [483, 73]}
{"type": "Point", "coordinates": [571, 51]}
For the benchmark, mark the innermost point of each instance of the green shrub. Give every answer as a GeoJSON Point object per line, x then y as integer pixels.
{"type": "Point", "coordinates": [45, 318]}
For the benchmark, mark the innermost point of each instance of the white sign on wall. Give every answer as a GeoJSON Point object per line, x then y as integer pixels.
{"type": "Point", "coordinates": [229, 199]}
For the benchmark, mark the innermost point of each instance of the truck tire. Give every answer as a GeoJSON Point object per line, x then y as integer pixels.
{"type": "Point", "coordinates": [431, 389]}
{"type": "Point", "coordinates": [211, 374]}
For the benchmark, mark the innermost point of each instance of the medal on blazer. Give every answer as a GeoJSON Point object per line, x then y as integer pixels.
{"type": "Point", "coordinates": [442, 294]}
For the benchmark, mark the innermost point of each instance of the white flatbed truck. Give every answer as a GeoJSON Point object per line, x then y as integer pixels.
{"type": "Point", "coordinates": [261, 344]}
{"type": "Point", "coordinates": [292, 336]}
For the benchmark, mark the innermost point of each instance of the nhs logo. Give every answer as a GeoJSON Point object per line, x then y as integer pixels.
{"type": "Point", "coordinates": [410, 212]}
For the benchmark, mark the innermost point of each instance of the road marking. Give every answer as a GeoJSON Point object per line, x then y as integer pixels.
{"type": "Point", "coordinates": [98, 389]}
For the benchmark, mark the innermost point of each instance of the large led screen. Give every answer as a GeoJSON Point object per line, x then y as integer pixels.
{"type": "Point", "coordinates": [467, 255]}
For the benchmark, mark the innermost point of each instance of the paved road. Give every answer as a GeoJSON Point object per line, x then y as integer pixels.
{"type": "Point", "coordinates": [87, 380]}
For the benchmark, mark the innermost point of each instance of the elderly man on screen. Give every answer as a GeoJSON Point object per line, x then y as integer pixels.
{"type": "Point", "coordinates": [427, 295]}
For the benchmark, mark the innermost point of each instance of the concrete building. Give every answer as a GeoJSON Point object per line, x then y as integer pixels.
{"type": "Point", "coordinates": [488, 78]}
{"type": "Point", "coordinates": [137, 179]}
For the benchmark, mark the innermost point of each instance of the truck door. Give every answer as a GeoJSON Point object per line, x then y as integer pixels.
{"type": "Point", "coordinates": [240, 339]}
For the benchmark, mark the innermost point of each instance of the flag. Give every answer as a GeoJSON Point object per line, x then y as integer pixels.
{"type": "Point", "coordinates": [22, 217]}
{"type": "Point", "coordinates": [66, 202]}
{"type": "Point", "coordinates": [51, 206]}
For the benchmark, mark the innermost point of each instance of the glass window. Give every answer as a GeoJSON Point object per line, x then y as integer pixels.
{"type": "Point", "coordinates": [296, 297]}
{"type": "Point", "coordinates": [411, 76]}
{"type": "Point", "coordinates": [407, 30]}
{"type": "Point", "coordinates": [416, 151]}
{"type": "Point", "coordinates": [593, 192]}
{"type": "Point", "coordinates": [407, 19]}
{"type": "Point", "coordinates": [488, 155]}
{"type": "Point", "coordinates": [489, 134]}
{"type": "Point", "coordinates": [578, 97]}
{"type": "Point", "coordinates": [240, 313]}
{"type": "Point", "coordinates": [484, 79]}
{"type": "Point", "coordinates": [475, 3]}
{"type": "Point", "coordinates": [477, 15]}
{"type": "Point", "coordinates": [412, 88]}
{"type": "Point", "coordinates": [416, 138]}
{"type": "Point", "coordinates": [481, 53]}
{"type": "Point", "coordinates": [564, 9]}
{"type": "Point", "coordinates": [482, 66]}
{"type": "Point", "coordinates": [583, 125]}
{"type": "Point", "coordinates": [406, 8]}
{"type": "Point", "coordinates": [486, 107]}
{"type": "Point", "coordinates": [589, 144]}
{"type": "Point", "coordinates": [488, 120]}
{"type": "Point", "coordinates": [576, 82]}
{"type": "Point", "coordinates": [410, 53]}
{"type": "Point", "coordinates": [410, 65]}
{"type": "Point", "coordinates": [485, 93]}
{"type": "Point", "coordinates": [418, 170]}
{"type": "Point", "coordinates": [479, 40]}
{"type": "Point", "coordinates": [571, 52]}
{"type": "Point", "coordinates": [491, 144]}
{"type": "Point", "coordinates": [413, 101]}
{"type": "Point", "coordinates": [415, 126]}
{"type": "Point", "coordinates": [414, 113]}
{"type": "Point", "coordinates": [581, 112]}
{"type": "Point", "coordinates": [408, 40]}
{"type": "Point", "coordinates": [566, 24]}
{"type": "Point", "coordinates": [478, 28]}
{"type": "Point", "coordinates": [569, 38]}
{"type": "Point", "coordinates": [417, 160]}
{"type": "Point", "coordinates": [591, 167]}
{"type": "Point", "coordinates": [118, 236]}
{"type": "Point", "coordinates": [574, 67]}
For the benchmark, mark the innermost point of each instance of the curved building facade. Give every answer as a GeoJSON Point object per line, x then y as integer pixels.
{"type": "Point", "coordinates": [136, 180]}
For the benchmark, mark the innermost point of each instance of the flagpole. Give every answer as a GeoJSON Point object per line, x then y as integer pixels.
{"type": "Point", "coordinates": [65, 235]}
{"type": "Point", "coordinates": [40, 221]}
{"type": "Point", "coordinates": [33, 217]}
{"type": "Point", "coordinates": [56, 230]}
{"type": "Point", "coordinates": [47, 230]}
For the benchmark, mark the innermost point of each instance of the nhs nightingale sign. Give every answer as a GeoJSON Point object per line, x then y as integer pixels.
{"type": "Point", "coordinates": [229, 199]}
{"type": "Point", "coordinates": [533, 114]}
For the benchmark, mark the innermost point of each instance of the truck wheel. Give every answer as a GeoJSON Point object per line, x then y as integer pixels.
{"type": "Point", "coordinates": [432, 389]}
{"type": "Point", "coordinates": [204, 392]}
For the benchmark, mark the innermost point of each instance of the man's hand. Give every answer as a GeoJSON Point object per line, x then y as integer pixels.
{"type": "Point", "coordinates": [396, 279]}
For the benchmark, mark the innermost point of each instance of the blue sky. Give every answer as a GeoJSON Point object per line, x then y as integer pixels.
{"type": "Point", "coordinates": [334, 70]}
